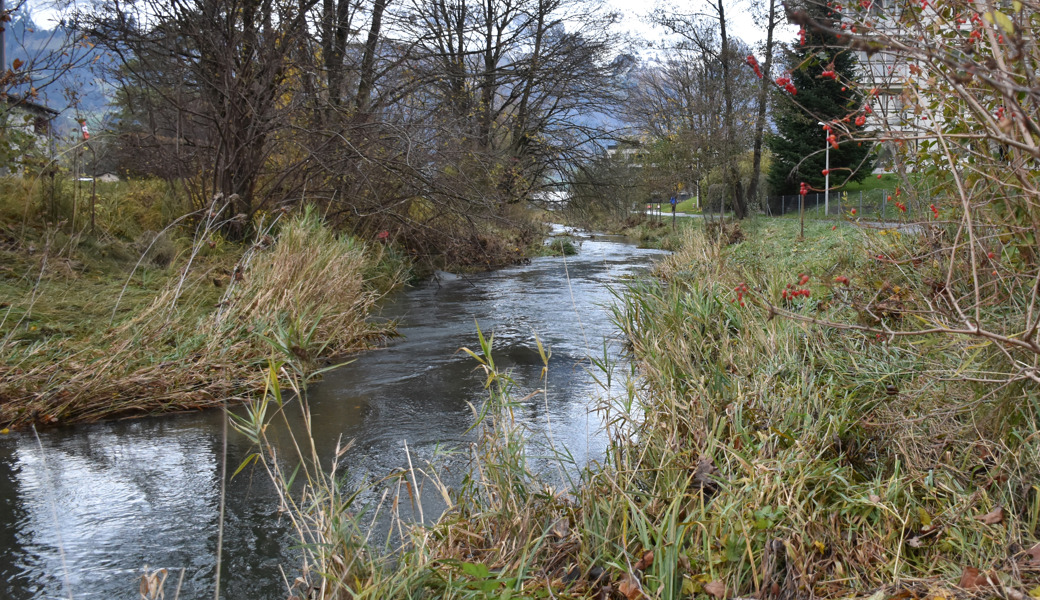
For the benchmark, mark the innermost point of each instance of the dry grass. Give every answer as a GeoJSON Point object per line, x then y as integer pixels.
{"type": "Point", "coordinates": [754, 456]}
{"type": "Point", "coordinates": [186, 337]}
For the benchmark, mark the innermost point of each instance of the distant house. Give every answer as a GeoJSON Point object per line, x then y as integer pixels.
{"type": "Point", "coordinates": [26, 130]}
{"type": "Point", "coordinates": [35, 118]}
{"type": "Point", "coordinates": [627, 151]}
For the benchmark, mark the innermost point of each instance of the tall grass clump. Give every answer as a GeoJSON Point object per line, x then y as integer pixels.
{"type": "Point", "coordinates": [190, 334]}
{"type": "Point", "coordinates": [307, 295]}
{"type": "Point", "coordinates": [502, 532]}
{"type": "Point", "coordinates": [780, 457]}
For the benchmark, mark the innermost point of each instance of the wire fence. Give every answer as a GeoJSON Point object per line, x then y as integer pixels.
{"type": "Point", "coordinates": [878, 203]}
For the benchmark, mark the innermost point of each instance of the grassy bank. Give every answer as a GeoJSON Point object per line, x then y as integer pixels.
{"type": "Point", "coordinates": [799, 460]}
{"type": "Point", "coordinates": [151, 313]}
{"type": "Point", "coordinates": [756, 455]}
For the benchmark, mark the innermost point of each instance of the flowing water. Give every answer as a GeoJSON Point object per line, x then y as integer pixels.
{"type": "Point", "coordinates": [84, 508]}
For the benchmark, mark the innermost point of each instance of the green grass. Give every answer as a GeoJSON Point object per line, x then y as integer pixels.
{"type": "Point", "coordinates": [687, 206]}
{"type": "Point", "coordinates": [888, 181]}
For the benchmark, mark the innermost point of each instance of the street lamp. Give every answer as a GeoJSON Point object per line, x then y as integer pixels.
{"type": "Point", "coordinates": [826, 170]}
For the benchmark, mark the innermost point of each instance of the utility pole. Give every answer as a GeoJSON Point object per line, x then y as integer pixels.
{"type": "Point", "coordinates": [3, 37]}
{"type": "Point", "coordinates": [827, 178]}
{"type": "Point", "coordinates": [826, 168]}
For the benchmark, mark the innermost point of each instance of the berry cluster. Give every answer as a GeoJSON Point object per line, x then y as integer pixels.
{"type": "Point", "coordinates": [935, 211]}
{"type": "Point", "coordinates": [751, 60]}
{"type": "Point", "coordinates": [841, 279]}
{"type": "Point", "coordinates": [785, 82]}
{"type": "Point", "coordinates": [803, 188]}
{"type": "Point", "coordinates": [740, 290]}
{"type": "Point", "coordinates": [793, 291]}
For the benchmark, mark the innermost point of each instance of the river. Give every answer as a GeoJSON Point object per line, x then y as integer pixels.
{"type": "Point", "coordinates": [83, 509]}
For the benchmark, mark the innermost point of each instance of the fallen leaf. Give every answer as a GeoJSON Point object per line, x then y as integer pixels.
{"type": "Point", "coordinates": [1031, 557]}
{"type": "Point", "coordinates": [645, 562]}
{"type": "Point", "coordinates": [716, 589]}
{"type": "Point", "coordinates": [874, 498]}
{"type": "Point", "coordinates": [993, 517]}
{"type": "Point", "coordinates": [152, 584]}
{"type": "Point", "coordinates": [971, 578]}
{"type": "Point", "coordinates": [968, 577]}
{"type": "Point", "coordinates": [703, 476]}
{"type": "Point", "coordinates": [629, 587]}
{"type": "Point", "coordinates": [914, 542]}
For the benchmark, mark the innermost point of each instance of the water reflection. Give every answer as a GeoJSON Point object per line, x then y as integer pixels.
{"type": "Point", "coordinates": [100, 501]}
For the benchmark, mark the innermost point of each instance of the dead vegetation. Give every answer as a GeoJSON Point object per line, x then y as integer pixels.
{"type": "Point", "coordinates": [755, 456]}
{"type": "Point", "coordinates": [83, 347]}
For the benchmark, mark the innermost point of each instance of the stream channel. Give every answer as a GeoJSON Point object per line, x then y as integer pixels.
{"type": "Point", "coordinates": [85, 508]}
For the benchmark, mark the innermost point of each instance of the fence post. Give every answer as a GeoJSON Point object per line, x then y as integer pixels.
{"type": "Point", "coordinates": [861, 202]}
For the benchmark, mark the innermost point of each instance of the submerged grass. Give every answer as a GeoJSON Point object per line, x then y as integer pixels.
{"type": "Point", "coordinates": [753, 456]}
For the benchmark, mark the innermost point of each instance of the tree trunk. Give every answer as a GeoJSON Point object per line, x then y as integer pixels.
{"type": "Point", "coordinates": [739, 205]}
{"type": "Point", "coordinates": [763, 96]}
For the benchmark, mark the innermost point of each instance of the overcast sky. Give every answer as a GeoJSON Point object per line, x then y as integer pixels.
{"type": "Point", "coordinates": [738, 17]}
{"type": "Point", "coordinates": [636, 17]}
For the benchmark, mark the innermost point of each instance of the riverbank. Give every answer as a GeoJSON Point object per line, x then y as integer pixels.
{"type": "Point", "coordinates": [138, 303]}
{"type": "Point", "coordinates": [94, 328]}
{"type": "Point", "coordinates": [758, 453]}
{"type": "Point", "coordinates": [814, 460]}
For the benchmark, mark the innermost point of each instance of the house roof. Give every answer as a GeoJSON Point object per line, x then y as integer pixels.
{"type": "Point", "coordinates": [37, 109]}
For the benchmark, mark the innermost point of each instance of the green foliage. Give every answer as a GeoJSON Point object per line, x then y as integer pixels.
{"type": "Point", "coordinates": [798, 145]}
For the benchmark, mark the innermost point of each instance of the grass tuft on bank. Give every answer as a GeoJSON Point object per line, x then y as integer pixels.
{"type": "Point", "coordinates": [95, 327]}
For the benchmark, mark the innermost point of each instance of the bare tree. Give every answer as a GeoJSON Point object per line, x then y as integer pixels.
{"type": "Point", "coordinates": [234, 60]}
{"type": "Point", "coordinates": [714, 42]}
{"type": "Point", "coordinates": [772, 20]}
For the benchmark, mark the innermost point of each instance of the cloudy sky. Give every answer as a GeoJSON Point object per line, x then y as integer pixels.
{"type": "Point", "coordinates": [738, 17]}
